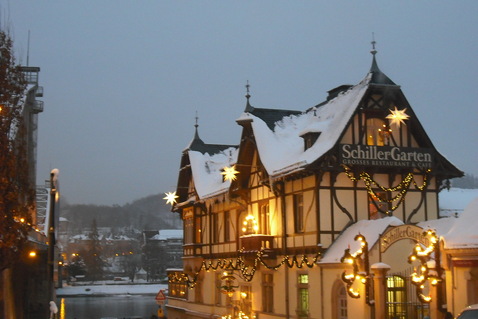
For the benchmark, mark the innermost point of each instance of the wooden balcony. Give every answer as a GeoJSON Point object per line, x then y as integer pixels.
{"type": "Point", "coordinates": [251, 244]}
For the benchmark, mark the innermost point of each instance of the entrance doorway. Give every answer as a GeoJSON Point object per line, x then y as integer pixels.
{"type": "Point", "coordinates": [402, 300]}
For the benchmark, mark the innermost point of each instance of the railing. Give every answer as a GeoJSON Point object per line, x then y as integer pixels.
{"type": "Point", "coordinates": [38, 106]}
{"type": "Point", "coordinates": [31, 74]}
{"type": "Point", "coordinates": [254, 243]}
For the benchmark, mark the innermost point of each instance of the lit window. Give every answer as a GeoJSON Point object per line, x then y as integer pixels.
{"type": "Point", "coordinates": [303, 296]}
{"type": "Point", "coordinates": [264, 227]}
{"type": "Point", "coordinates": [197, 230]}
{"type": "Point", "coordinates": [378, 132]}
{"type": "Point", "coordinates": [396, 297]}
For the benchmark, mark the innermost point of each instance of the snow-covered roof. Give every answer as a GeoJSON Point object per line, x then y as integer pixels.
{"type": "Point", "coordinates": [206, 170]}
{"type": "Point", "coordinates": [463, 233]}
{"type": "Point", "coordinates": [282, 150]}
{"type": "Point", "coordinates": [440, 226]}
{"type": "Point", "coordinates": [370, 229]}
{"type": "Point", "coordinates": [166, 234]}
{"type": "Point", "coordinates": [454, 200]}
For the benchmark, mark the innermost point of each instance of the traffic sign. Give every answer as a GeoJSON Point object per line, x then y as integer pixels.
{"type": "Point", "coordinates": [160, 297]}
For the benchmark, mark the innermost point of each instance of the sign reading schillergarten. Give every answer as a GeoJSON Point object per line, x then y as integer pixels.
{"type": "Point", "coordinates": [392, 156]}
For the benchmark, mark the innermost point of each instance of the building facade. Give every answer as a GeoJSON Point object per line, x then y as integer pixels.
{"type": "Point", "coordinates": [314, 214]}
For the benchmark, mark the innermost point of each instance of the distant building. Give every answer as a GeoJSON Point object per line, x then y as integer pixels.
{"type": "Point", "coordinates": [315, 214]}
{"type": "Point", "coordinates": [162, 249]}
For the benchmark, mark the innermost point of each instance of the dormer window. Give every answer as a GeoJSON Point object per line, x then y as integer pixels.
{"type": "Point", "coordinates": [309, 139]}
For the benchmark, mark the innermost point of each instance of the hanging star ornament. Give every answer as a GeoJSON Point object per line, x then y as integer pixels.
{"type": "Point", "coordinates": [397, 117]}
{"type": "Point", "coordinates": [170, 198]}
{"type": "Point", "coordinates": [229, 173]}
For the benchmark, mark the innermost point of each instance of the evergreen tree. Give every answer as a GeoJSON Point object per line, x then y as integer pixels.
{"type": "Point", "coordinates": [93, 261]}
{"type": "Point", "coordinates": [16, 191]}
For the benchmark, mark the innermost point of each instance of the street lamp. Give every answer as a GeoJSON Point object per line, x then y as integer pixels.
{"type": "Point", "coordinates": [51, 232]}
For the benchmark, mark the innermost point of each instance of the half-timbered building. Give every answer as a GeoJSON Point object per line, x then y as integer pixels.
{"type": "Point", "coordinates": [308, 212]}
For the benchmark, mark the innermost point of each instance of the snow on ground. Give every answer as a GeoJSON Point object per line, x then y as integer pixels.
{"type": "Point", "coordinates": [102, 290]}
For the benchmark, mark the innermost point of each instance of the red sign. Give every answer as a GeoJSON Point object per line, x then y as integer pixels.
{"type": "Point", "coordinates": [160, 296]}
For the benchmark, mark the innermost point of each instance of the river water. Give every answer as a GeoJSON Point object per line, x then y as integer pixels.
{"type": "Point", "coordinates": [118, 306]}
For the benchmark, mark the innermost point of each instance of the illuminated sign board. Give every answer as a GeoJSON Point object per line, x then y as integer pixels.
{"type": "Point", "coordinates": [391, 156]}
{"type": "Point", "coordinates": [397, 233]}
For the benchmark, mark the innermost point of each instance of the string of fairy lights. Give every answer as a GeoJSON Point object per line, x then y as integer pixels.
{"type": "Point", "coordinates": [402, 188]}
{"type": "Point", "coordinates": [363, 276]}
{"type": "Point", "coordinates": [424, 255]}
{"type": "Point", "coordinates": [246, 271]}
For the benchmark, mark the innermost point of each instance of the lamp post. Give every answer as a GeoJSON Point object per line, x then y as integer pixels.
{"type": "Point", "coordinates": [51, 234]}
{"type": "Point", "coordinates": [363, 276]}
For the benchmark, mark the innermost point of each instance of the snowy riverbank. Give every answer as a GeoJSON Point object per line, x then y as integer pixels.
{"type": "Point", "coordinates": [110, 289]}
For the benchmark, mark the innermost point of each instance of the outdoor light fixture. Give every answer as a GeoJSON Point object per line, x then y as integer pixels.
{"type": "Point", "coordinates": [250, 225]}
{"type": "Point", "coordinates": [354, 259]}
{"type": "Point", "coordinates": [170, 198]}
{"type": "Point", "coordinates": [397, 117]}
{"type": "Point", "coordinates": [424, 255]}
{"type": "Point", "coordinates": [228, 287]}
{"type": "Point", "coordinates": [229, 173]}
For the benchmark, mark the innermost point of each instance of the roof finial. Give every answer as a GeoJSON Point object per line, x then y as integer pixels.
{"type": "Point", "coordinates": [249, 108]}
{"type": "Point", "coordinates": [373, 45]}
{"type": "Point", "coordinates": [196, 125]}
{"type": "Point", "coordinates": [247, 90]}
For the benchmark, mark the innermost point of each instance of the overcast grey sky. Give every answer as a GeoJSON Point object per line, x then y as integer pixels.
{"type": "Point", "coordinates": [123, 79]}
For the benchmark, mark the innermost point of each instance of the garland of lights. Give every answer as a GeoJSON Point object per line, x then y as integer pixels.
{"type": "Point", "coordinates": [354, 260]}
{"type": "Point", "coordinates": [402, 188]}
{"type": "Point", "coordinates": [246, 272]}
{"type": "Point", "coordinates": [424, 256]}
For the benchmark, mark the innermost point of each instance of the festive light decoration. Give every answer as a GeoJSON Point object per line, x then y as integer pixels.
{"type": "Point", "coordinates": [250, 225]}
{"type": "Point", "coordinates": [170, 198]}
{"type": "Point", "coordinates": [229, 173]}
{"type": "Point", "coordinates": [424, 255]}
{"type": "Point", "coordinates": [397, 117]}
{"type": "Point", "coordinates": [240, 315]}
{"type": "Point", "coordinates": [228, 288]}
{"type": "Point", "coordinates": [355, 260]}
{"type": "Point", "coordinates": [246, 271]}
{"type": "Point", "coordinates": [401, 189]}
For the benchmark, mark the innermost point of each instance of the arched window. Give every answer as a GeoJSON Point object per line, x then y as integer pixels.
{"type": "Point", "coordinates": [339, 301]}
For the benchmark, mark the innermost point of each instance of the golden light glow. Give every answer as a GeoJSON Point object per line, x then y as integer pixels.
{"type": "Point", "coordinates": [424, 255]}
{"type": "Point", "coordinates": [170, 198]}
{"type": "Point", "coordinates": [32, 254]}
{"type": "Point", "coordinates": [250, 225]}
{"type": "Point", "coordinates": [230, 173]}
{"type": "Point", "coordinates": [397, 117]}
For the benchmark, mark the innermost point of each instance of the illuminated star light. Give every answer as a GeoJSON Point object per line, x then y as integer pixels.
{"type": "Point", "coordinates": [397, 117]}
{"type": "Point", "coordinates": [170, 198]}
{"type": "Point", "coordinates": [230, 173]}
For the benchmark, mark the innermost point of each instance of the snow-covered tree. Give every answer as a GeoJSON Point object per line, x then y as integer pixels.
{"type": "Point", "coordinates": [16, 191]}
